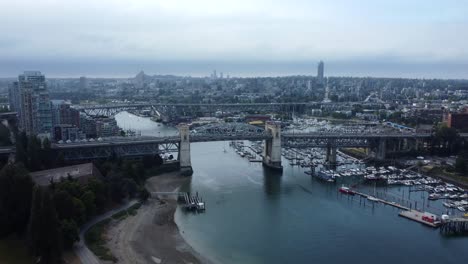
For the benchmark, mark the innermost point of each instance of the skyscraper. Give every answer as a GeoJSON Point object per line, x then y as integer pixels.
{"type": "Point", "coordinates": [30, 98]}
{"type": "Point", "coordinates": [320, 71]}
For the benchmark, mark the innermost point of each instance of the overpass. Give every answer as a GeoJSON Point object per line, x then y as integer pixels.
{"type": "Point", "coordinates": [378, 141]}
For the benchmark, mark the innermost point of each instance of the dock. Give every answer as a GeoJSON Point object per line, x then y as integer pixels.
{"type": "Point", "coordinates": [455, 226]}
{"type": "Point", "coordinates": [378, 200]}
{"type": "Point", "coordinates": [421, 217]}
{"type": "Point", "coordinates": [191, 203]}
{"type": "Point", "coordinates": [425, 218]}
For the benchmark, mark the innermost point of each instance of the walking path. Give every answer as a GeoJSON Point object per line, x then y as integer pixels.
{"type": "Point", "coordinates": [81, 250]}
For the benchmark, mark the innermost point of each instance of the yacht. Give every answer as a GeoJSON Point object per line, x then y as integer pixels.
{"type": "Point", "coordinates": [434, 196]}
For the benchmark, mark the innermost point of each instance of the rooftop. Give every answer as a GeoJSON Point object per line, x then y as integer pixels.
{"type": "Point", "coordinates": [44, 177]}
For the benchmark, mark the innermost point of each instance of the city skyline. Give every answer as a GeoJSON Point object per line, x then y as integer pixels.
{"type": "Point", "coordinates": [125, 69]}
{"type": "Point", "coordinates": [118, 38]}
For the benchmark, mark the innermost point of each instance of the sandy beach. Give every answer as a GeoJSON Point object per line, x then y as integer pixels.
{"type": "Point", "coordinates": [152, 236]}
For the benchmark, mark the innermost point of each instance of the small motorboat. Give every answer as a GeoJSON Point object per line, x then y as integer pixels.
{"type": "Point", "coordinates": [346, 190]}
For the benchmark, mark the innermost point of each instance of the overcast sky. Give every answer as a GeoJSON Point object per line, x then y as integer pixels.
{"type": "Point", "coordinates": [427, 38]}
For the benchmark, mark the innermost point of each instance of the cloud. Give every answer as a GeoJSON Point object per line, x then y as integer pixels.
{"type": "Point", "coordinates": [242, 30]}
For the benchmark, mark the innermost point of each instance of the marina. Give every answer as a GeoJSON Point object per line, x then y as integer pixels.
{"type": "Point", "coordinates": [298, 205]}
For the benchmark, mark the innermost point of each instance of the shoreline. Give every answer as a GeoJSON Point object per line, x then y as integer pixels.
{"type": "Point", "coordinates": [152, 235]}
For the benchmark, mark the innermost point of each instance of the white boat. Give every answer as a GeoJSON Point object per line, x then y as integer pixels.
{"type": "Point", "coordinates": [448, 205]}
{"type": "Point", "coordinates": [372, 198]}
{"type": "Point", "coordinates": [461, 208]}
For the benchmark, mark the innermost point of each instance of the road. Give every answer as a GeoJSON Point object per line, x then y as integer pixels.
{"type": "Point", "coordinates": [81, 250]}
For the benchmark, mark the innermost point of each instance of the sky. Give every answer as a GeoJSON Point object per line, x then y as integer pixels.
{"type": "Point", "coordinates": [388, 38]}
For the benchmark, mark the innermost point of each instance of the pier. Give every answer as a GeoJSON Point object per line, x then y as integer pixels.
{"type": "Point", "coordinates": [425, 218]}
{"type": "Point", "coordinates": [455, 226]}
{"type": "Point", "coordinates": [399, 206]}
{"type": "Point", "coordinates": [421, 217]}
{"type": "Point", "coordinates": [192, 203]}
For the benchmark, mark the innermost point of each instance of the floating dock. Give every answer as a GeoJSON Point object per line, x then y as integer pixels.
{"type": "Point", "coordinates": [426, 218]}
{"type": "Point", "coordinates": [192, 202]}
{"type": "Point", "coordinates": [421, 217]}
{"type": "Point", "coordinates": [399, 206]}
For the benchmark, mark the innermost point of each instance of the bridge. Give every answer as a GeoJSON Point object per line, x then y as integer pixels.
{"type": "Point", "coordinates": [168, 111]}
{"type": "Point", "coordinates": [274, 140]}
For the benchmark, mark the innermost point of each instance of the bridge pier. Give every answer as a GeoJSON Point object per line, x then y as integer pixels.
{"type": "Point", "coordinates": [330, 158]}
{"type": "Point", "coordinates": [184, 150]}
{"type": "Point", "coordinates": [381, 149]}
{"type": "Point", "coordinates": [272, 149]}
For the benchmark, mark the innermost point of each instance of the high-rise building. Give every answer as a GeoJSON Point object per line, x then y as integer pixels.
{"type": "Point", "coordinates": [63, 114]}
{"type": "Point", "coordinates": [14, 97]}
{"type": "Point", "coordinates": [30, 98]}
{"type": "Point", "coordinates": [326, 98]}
{"type": "Point", "coordinates": [320, 71]}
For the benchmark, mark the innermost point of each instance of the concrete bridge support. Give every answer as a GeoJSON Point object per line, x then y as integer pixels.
{"type": "Point", "coordinates": [184, 150]}
{"type": "Point", "coordinates": [381, 149]}
{"type": "Point", "coordinates": [330, 158]}
{"type": "Point", "coordinates": [272, 149]}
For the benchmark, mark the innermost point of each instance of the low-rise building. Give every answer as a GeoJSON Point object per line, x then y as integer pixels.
{"type": "Point", "coordinates": [82, 173]}
{"type": "Point", "coordinates": [458, 121]}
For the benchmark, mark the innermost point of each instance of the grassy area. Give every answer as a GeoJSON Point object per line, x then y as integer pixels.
{"type": "Point", "coordinates": [95, 240]}
{"type": "Point", "coordinates": [359, 153]}
{"type": "Point", "coordinates": [133, 209]}
{"type": "Point", "coordinates": [14, 251]}
{"type": "Point", "coordinates": [120, 215]}
{"type": "Point", "coordinates": [452, 176]}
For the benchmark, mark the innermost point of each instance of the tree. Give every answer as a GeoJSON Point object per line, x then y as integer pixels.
{"type": "Point", "coordinates": [158, 161]}
{"type": "Point", "coordinates": [129, 187]}
{"type": "Point", "coordinates": [79, 211]}
{"type": "Point", "coordinates": [461, 165]}
{"type": "Point", "coordinates": [116, 190]}
{"type": "Point", "coordinates": [147, 161]}
{"type": "Point", "coordinates": [15, 198]}
{"type": "Point", "coordinates": [34, 154]}
{"type": "Point", "coordinates": [44, 228]}
{"type": "Point", "coordinates": [70, 233]}
{"type": "Point", "coordinates": [63, 204]}
{"type": "Point", "coordinates": [144, 194]}
{"type": "Point", "coordinates": [35, 222]}
{"type": "Point", "coordinates": [4, 135]}
{"type": "Point", "coordinates": [445, 139]}
{"type": "Point", "coordinates": [47, 155]}
{"type": "Point", "coordinates": [21, 146]}
{"type": "Point", "coordinates": [89, 201]}
{"type": "Point", "coordinates": [100, 191]}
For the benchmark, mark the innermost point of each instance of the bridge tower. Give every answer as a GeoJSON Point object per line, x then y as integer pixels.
{"type": "Point", "coordinates": [184, 150]}
{"type": "Point", "coordinates": [272, 149]}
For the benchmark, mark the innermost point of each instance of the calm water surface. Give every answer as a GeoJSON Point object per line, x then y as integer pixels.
{"type": "Point", "coordinates": [256, 216]}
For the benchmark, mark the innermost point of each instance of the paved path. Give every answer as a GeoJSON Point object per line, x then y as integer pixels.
{"type": "Point", "coordinates": [81, 250]}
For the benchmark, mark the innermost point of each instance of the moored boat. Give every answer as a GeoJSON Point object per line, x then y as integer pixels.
{"type": "Point", "coordinates": [346, 190]}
